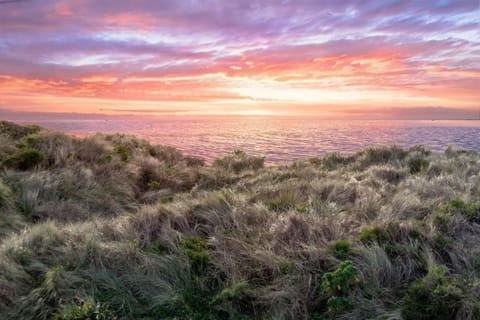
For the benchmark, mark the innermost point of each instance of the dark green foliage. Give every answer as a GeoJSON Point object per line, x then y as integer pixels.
{"type": "Point", "coordinates": [416, 234]}
{"type": "Point", "coordinates": [231, 294]}
{"type": "Point", "coordinates": [154, 184]}
{"type": "Point", "coordinates": [381, 155]}
{"type": "Point", "coordinates": [336, 286]}
{"type": "Point", "coordinates": [337, 305]}
{"type": "Point", "coordinates": [197, 250]}
{"type": "Point", "coordinates": [86, 309]}
{"type": "Point", "coordinates": [281, 204]}
{"type": "Point", "coordinates": [342, 249]}
{"type": "Point", "coordinates": [16, 131]}
{"type": "Point", "coordinates": [375, 234]}
{"type": "Point", "coordinates": [24, 160]}
{"type": "Point", "coordinates": [157, 248]}
{"type": "Point", "coordinates": [417, 165]}
{"type": "Point", "coordinates": [442, 242]}
{"type": "Point", "coordinates": [434, 297]}
{"type": "Point", "coordinates": [469, 210]}
{"type": "Point", "coordinates": [123, 152]}
{"type": "Point", "coordinates": [166, 199]}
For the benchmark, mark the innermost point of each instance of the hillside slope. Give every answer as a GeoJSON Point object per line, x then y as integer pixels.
{"type": "Point", "coordinates": [111, 227]}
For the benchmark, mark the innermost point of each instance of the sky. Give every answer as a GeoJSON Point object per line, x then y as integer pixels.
{"type": "Point", "coordinates": [394, 59]}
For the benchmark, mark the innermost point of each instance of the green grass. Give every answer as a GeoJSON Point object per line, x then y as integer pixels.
{"type": "Point", "coordinates": [112, 227]}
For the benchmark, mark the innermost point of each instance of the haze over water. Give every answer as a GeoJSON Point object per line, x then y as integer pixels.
{"type": "Point", "coordinates": [280, 139]}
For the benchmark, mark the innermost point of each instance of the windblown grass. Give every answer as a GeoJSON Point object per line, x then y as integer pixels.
{"type": "Point", "coordinates": [111, 227]}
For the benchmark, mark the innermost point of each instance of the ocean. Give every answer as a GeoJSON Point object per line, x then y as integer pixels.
{"type": "Point", "coordinates": [279, 139]}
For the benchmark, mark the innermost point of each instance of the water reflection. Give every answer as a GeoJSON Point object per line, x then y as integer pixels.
{"type": "Point", "coordinates": [281, 139]}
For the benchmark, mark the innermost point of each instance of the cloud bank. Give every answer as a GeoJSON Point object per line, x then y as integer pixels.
{"type": "Point", "coordinates": [247, 57]}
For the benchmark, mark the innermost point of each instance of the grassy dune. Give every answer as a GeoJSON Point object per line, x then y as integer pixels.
{"type": "Point", "coordinates": [111, 227]}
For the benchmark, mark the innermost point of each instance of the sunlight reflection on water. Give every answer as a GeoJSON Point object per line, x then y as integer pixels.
{"type": "Point", "coordinates": [281, 139]}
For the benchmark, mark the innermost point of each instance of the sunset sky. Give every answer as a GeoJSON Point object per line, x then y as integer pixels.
{"type": "Point", "coordinates": [334, 59]}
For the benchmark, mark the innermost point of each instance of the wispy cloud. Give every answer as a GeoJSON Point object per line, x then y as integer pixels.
{"type": "Point", "coordinates": [240, 55]}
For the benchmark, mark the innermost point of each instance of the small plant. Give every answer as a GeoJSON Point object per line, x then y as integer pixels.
{"type": "Point", "coordinates": [282, 204]}
{"type": "Point", "coordinates": [233, 293]}
{"type": "Point", "coordinates": [380, 155]}
{"type": "Point", "coordinates": [87, 309]}
{"type": "Point", "coordinates": [16, 131]}
{"type": "Point", "coordinates": [375, 234]}
{"type": "Point", "coordinates": [457, 206]}
{"type": "Point", "coordinates": [197, 250]}
{"type": "Point", "coordinates": [166, 199]}
{"type": "Point", "coordinates": [154, 184]}
{"type": "Point", "coordinates": [157, 248]}
{"type": "Point", "coordinates": [333, 160]}
{"type": "Point", "coordinates": [417, 165]}
{"type": "Point", "coordinates": [342, 249]}
{"type": "Point", "coordinates": [123, 152]}
{"type": "Point", "coordinates": [287, 200]}
{"type": "Point", "coordinates": [336, 286]}
{"type": "Point", "coordinates": [433, 297]}
{"type": "Point", "coordinates": [24, 160]}
{"type": "Point", "coordinates": [442, 241]}
{"type": "Point", "coordinates": [240, 161]}
{"type": "Point", "coordinates": [415, 234]}
{"type": "Point", "coordinates": [239, 153]}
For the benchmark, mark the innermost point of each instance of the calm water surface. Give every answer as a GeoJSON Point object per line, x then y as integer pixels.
{"type": "Point", "coordinates": [280, 139]}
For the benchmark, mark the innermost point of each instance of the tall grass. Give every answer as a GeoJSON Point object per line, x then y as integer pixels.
{"type": "Point", "coordinates": [111, 227]}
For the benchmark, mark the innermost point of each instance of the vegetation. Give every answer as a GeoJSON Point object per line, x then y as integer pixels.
{"type": "Point", "coordinates": [112, 227]}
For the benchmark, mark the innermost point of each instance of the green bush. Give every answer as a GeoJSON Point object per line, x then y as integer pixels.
{"type": "Point", "coordinates": [381, 155]}
{"type": "Point", "coordinates": [417, 165]}
{"type": "Point", "coordinates": [15, 131]}
{"type": "Point", "coordinates": [233, 293]}
{"type": "Point", "coordinates": [24, 160]}
{"type": "Point", "coordinates": [88, 309]}
{"type": "Point", "coordinates": [123, 152]}
{"type": "Point", "coordinates": [375, 234]}
{"type": "Point", "coordinates": [433, 297]}
{"type": "Point", "coordinates": [342, 249]}
{"type": "Point", "coordinates": [197, 250]}
{"type": "Point", "coordinates": [281, 204]}
{"type": "Point", "coordinates": [457, 206]}
{"type": "Point", "coordinates": [336, 286]}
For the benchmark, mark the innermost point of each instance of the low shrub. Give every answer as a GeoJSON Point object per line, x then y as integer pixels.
{"type": "Point", "coordinates": [381, 155]}
{"type": "Point", "coordinates": [336, 286]}
{"type": "Point", "coordinates": [417, 165]}
{"type": "Point", "coordinates": [86, 309]}
{"type": "Point", "coordinates": [232, 293]}
{"type": "Point", "coordinates": [197, 250]}
{"type": "Point", "coordinates": [15, 131]}
{"type": "Point", "coordinates": [123, 151]}
{"type": "Point", "coordinates": [240, 161]}
{"type": "Point", "coordinates": [342, 249]}
{"type": "Point", "coordinates": [24, 160]}
{"type": "Point", "coordinates": [471, 210]}
{"type": "Point", "coordinates": [375, 234]}
{"type": "Point", "coordinates": [433, 297]}
{"type": "Point", "coordinates": [335, 160]}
